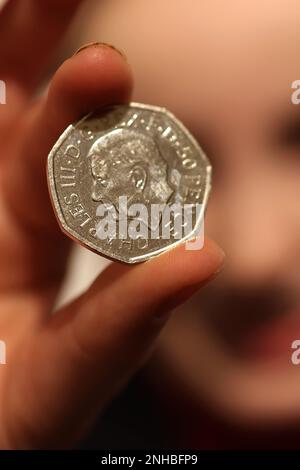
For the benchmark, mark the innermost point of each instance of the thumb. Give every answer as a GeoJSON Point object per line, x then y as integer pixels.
{"type": "Point", "coordinates": [93, 345]}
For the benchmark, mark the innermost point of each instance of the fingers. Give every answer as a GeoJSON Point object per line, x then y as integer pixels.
{"type": "Point", "coordinates": [94, 345]}
{"type": "Point", "coordinates": [97, 76]}
{"type": "Point", "coordinates": [30, 33]}
{"type": "Point", "coordinates": [133, 298]}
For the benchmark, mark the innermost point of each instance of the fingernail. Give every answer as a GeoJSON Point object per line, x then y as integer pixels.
{"type": "Point", "coordinates": [216, 273]}
{"type": "Point", "coordinates": [178, 299]}
{"type": "Point", "coordinates": [100, 44]}
{"type": "Point", "coordinates": [165, 310]}
{"type": "Point", "coordinates": [222, 255]}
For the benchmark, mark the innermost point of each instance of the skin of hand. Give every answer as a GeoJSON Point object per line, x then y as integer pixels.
{"type": "Point", "coordinates": [231, 346]}
{"type": "Point", "coordinates": [63, 369]}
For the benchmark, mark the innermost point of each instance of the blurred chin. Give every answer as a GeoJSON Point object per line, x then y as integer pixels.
{"type": "Point", "coordinates": [255, 395]}
{"type": "Point", "coordinates": [249, 393]}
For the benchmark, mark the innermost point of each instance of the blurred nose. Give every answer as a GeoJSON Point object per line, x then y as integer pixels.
{"type": "Point", "coordinates": [253, 224]}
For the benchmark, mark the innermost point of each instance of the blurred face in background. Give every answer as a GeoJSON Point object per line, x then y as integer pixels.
{"type": "Point", "coordinates": [225, 69]}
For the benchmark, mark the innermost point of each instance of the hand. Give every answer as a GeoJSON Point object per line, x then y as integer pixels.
{"type": "Point", "coordinates": [63, 369]}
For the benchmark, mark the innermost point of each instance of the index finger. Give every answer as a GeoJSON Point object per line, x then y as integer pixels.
{"type": "Point", "coordinates": [95, 77]}
{"type": "Point", "coordinates": [30, 33]}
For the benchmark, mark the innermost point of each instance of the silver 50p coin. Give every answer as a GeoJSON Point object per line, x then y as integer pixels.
{"type": "Point", "coordinates": [129, 182]}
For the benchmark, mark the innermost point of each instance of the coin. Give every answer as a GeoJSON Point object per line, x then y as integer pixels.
{"type": "Point", "coordinates": [110, 170]}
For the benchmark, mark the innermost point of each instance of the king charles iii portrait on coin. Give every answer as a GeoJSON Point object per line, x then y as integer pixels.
{"type": "Point", "coordinates": [128, 163]}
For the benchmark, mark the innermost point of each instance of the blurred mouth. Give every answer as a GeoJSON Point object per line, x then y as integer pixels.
{"type": "Point", "coordinates": [254, 327]}
{"type": "Point", "coordinates": [272, 339]}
